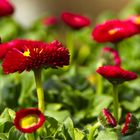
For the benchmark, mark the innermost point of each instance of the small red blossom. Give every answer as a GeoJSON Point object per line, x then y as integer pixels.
{"type": "Point", "coordinates": [107, 119]}
{"type": "Point", "coordinates": [75, 21]}
{"type": "Point", "coordinates": [6, 8]}
{"type": "Point", "coordinates": [110, 52]}
{"type": "Point", "coordinates": [115, 74]}
{"type": "Point", "coordinates": [29, 120]}
{"type": "Point", "coordinates": [131, 124]}
{"type": "Point", "coordinates": [28, 55]}
{"type": "Point", "coordinates": [50, 21]}
{"type": "Point", "coordinates": [113, 31]}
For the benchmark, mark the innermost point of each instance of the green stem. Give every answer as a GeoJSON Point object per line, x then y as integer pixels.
{"type": "Point", "coordinates": [30, 136]}
{"type": "Point", "coordinates": [99, 89]}
{"type": "Point", "coordinates": [115, 100]}
{"type": "Point", "coordinates": [40, 93]}
{"type": "Point", "coordinates": [92, 131]}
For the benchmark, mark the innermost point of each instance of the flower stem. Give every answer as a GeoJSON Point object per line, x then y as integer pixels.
{"type": "Point", "coordinates": [115, 100]}
{"type": "Point", "coordinates": [30, 136]}
{"type": "Point", "coordinates": [40, 93]}
{"type": "Point", "coordinates": [99, 89]}
{"type": "Point", "coordinates": [92, 131]}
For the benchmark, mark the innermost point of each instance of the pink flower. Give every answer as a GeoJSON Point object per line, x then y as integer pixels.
{"type": "Point", "coordinates": [113, 31]}
{"type": "Point", "coordinates": [115, 74]}
{"type": "Point", "coordinates": [29, 120]}
{"type": "Point", "coordinates": [75, 21]}
{"type": "Point", "coordinates": [6, 8]}
{"type": "Point", "coordinates": [110, 52]}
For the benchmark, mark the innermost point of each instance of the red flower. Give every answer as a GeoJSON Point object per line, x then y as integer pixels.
{"type": "Point", "coordinates": [113, 31]}
{"type": "Point", "coordinates": [110, 52]}
{"type": "Point", "coordinates": [131, 124]}
{"type": "Point", "coordinates": [6, 8]}
{"type": "Point", "coordinates": [107, 119]}
{"type": "Point", "coordinates": [28, 55]}
{"type": "Point", "coordinates": [29, 120]}
{"type": "Point", "coordinates": [75, 21]}
{"type": "Point", "coordinates": [50, 21]}
{"type": "Point", "coordinates": [115, 74]}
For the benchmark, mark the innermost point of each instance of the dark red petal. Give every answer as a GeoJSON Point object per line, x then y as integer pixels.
{"type": "Point", "coordinates": [25, 112]}
{"type": "Point", "coordinates": [116, 74]}
{"type": "Point", "coordinates": [75, 21]}
{"type": "Point", "coordinates": [14, 61]}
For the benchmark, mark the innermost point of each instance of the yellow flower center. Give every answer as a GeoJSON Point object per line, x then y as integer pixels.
{"type": "Point", "coordinates": [27, 53]}
{"type": "Point", "coordinates": [137, 20]}
{"type": "Point", "coordinates": [29, 121]}
{"type": "Point", "coordinates": [113, 31]}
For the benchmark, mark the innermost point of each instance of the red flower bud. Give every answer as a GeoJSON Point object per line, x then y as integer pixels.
{"type": "Point", "coordinates": [111, 56]}
{"type": "Point", "coordinates": [115, 74]}
{"type": "Point", "coordinates": [50, 21]}
{"type": "Point", "coordinates": [75, 21]}
{"type": "Point", "coordinates": [106, 119]}
{"type": "Point", "coordinates": [6, 8]}
{"type": "Point", "coordinates": [131, 124]}
{"type": "Point", "coordinates": [29, 120]}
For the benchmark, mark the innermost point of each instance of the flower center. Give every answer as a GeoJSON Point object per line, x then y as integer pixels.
{"type": "Point", "coordinates": [27, 53]}
{"type": "Point", "coordinates": [29, 121]}
{"type": "Point", "coordinates": [112, 31]}
{"type": "Point", "coordinates": [137, 20]}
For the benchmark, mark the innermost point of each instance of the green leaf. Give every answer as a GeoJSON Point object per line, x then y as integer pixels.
{"type": "Point", "coordinates": [108, 135]}
{"type": "Point", "coordinates": [14, 134]}
{"type": "Point", "coordinates": [135, 136]}
{"type": "Point", "coordinates": [69, 129]}
{"type": "Point", "coordinates": [79, 135]}
{"type": "Point", "coordinates": [3, 136]}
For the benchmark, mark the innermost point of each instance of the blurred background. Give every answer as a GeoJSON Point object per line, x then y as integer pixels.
{"type": "Point", "coordinates": [29, 10]}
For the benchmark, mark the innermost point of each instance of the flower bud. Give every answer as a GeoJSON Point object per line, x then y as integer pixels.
{"type": "Point", "coordinates": [106, 119]}
{"type": "Point", "coordinates": [131, 124]}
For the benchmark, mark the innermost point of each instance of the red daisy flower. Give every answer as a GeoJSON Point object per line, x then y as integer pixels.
{"type": "Point", "coordinates": [115, 74]}
{"type": "Point", "coordinates": [111, 54]}
{"type": "Point", "coordinates": [6, 8]}
{"type": "Point", "coordinates": [75, 21]}
{"type": "Point", "coordinates": [113, 31]}
{"type": "Point", "coordinates": [107, 119]}
{"type": "Point", "coordinates": [28, 55]}
{"type": "Point", "coordinates": [50, 21]}
{"type": "Point", "coordinates": [131, 124]}
{"type": "Point", "coordinates": [29, 120]}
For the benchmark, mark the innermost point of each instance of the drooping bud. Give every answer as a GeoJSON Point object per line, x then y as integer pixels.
{"type": "Point", "coordinates": [131, 124]}
{"type": "Point", "coordinates": [106, 118]}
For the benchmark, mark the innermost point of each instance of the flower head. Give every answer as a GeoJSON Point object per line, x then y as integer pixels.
{"type": "Point", "coordinates": [29, 120]}
{"type": "Point", "coordinates": [131, 124]}
{"type": "Point", "coordinates": [27, 55]}
{"type": "Point", "coordinates": [75, 21]}
{"type": "Point", "coordinates": [115, 74]}
{"type": "Point", "coordinates": [113, 31]}
{"type": "Point", "coordinates": [50, 21]}
{"type": "Point", "coordinates": [107, 119]}
{"type": "Point", "coordinates": [6, 8]}
{"type": "Point", "coordinates": [110, 55]}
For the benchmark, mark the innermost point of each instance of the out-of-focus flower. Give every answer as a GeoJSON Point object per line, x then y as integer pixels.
{"type": "Point", "coordinates": [113, 31]}
{"type": "Point", "coordinates": [29, 55]}
{"type": "Point", "coordinates": [131, 124]}
{"type": "Point", "coordinates": [115, 74]}
{"type": "Point", "coordinates": [29, 120]}
{"type": "Point", "coordinates": [106, 118]}
{"type": "Point", "coordinates": [49, 21]}
{"type": "Point", "coordinates": [6, 8]}
{"type": "Point", "coordinates": [111, 56]}
{"type": "Point", "coordinates": [75, 21]}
